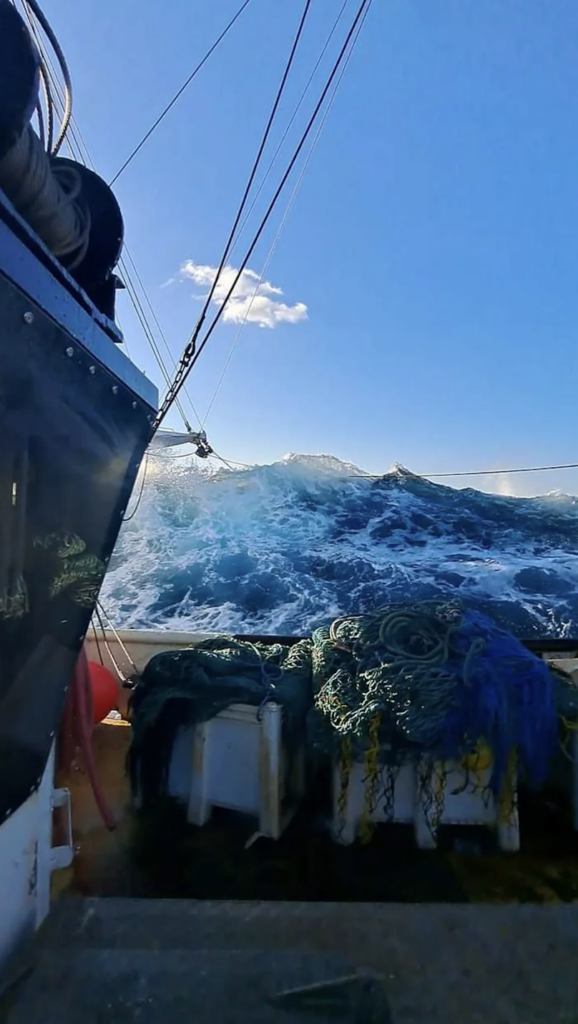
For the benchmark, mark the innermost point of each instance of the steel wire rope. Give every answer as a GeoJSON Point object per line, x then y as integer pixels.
{"type": "Point", "coordinates": [163, 337]}
{"type": "Point", "coordinates": [191, 353]}
{"type": "Point", "coordinates": [55, 93]}
{"type": "Point", "coordinates": [288, 209]}
{"type": "Point", "coordinates": [500, 472]}
{"type": "Point", "coordinates": [179, 93]}
{"type": "Point", "coordinates": [35, 9]}
{"type": "Point", "coordinates": [250, 180]}
{"type": "Point", "coordinates": [128, 518]}
{"type": "Point", "coordinates": [133, 295]}
{"type": "Point", "coordinates": [248, 213]}
{"type": "Point", "coordinates": [45, 124]}
{"type": "Point", "coordinates": [474, 472]}
{"type": "Point", "coordinates": [46, 130]}
{"type": "Point", "coordinates": [46, 68]}
{"type": "Point", "coordinates": [291, 121]}
{"type": "Point", "coordinates": [189, 455]}
{"type": "Point", "coordinates": [425, 476]}
{"type": "Point", "coordinates": [49, 104]}
{"type": "Point", "coordinates": [142, 318]}
{"type": "Point", "coordinates": [58, 96]}
{"type": "Point", "coordinates": [79, 150]}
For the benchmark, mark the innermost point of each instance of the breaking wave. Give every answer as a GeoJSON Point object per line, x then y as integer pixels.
{"type": "Point", "coordinates": [284, 548]}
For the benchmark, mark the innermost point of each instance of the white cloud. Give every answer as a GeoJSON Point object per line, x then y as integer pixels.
{"type": "Point", "coordinates": [252, 301]}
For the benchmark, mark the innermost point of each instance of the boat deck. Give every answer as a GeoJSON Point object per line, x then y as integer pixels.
{"type": "Point", "coordinates": [169, 961]}
{"type": "Point", "coordinates": [156, 854]}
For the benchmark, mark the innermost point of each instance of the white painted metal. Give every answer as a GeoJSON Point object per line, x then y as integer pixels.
{"type": "Point", "coordinates": [27, 860]}
{"type": "Point", "coordinates": [237, 760]}
{"type": "Point", "coordinates": [565, 771]}
{"type": "Point", "coordinates": [141, 645]}
{"type": "Point", "coordinates": [62, 856]}
{"type": "Point", "coordinates": [464, 803]}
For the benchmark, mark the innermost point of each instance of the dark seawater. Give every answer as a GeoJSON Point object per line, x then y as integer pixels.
{"type": "Point", "coordinates": [281, 549]}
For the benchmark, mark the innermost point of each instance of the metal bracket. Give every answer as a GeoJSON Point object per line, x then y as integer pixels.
{"type": "Point", "coordinates": [62, 856]}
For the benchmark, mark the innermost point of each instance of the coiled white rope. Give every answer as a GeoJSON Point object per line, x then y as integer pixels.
{"type": "Point", "coordinates": [46, 195]}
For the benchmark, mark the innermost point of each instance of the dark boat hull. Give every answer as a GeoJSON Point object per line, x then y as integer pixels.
{"type": "Point", "coordinates": [75, 420]}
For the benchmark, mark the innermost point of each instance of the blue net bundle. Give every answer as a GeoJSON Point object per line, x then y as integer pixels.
{"type": "Point", "coordinates": [179, 689]}
{"type": "Point", "coordinates": [439, 680]}
{"type": "Point", "coordinates": [428, 683]}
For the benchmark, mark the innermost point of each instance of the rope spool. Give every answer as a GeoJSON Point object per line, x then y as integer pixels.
{"type": "Point", "coordinates": [46, 199]}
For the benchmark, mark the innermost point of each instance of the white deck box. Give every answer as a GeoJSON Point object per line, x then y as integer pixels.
{"type": "Point", "coordinates": [238, 760]}
{"type": "Point", "coordinates": [465, 802]}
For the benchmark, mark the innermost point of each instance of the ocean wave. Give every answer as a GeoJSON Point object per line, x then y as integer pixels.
{"type": "Point", "coordinates": [281, 549]}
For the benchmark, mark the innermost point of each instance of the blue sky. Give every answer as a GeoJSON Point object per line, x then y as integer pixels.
{"type": "Point", "coordinates": [434, 240]}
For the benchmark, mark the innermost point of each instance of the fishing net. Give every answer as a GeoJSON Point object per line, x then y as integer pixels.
{"type": "Point", "coordinates": [432, 684]}
{"type": "Point", "coordinates": [179, 689]}
{"type": "Point", "coordinates": [433, 681]}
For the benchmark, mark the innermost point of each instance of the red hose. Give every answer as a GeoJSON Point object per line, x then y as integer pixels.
{"type": "Point", "coordinates": [81, 700]}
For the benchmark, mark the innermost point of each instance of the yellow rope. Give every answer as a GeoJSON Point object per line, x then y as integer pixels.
{"type": "Point", "coordinates": [345, 765]}
{"type": "Point", "coordinates": [479, 761]}
{"type": "Point", "coordinates": [371, 761]}
{"type": "Point", "coordinates": [507, 803]}
{"type": "Point", "coordinates": [438, 795]}
{"type": "Point", "coordinates": [477, 767]}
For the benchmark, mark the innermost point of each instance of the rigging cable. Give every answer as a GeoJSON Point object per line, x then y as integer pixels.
{"type": "Point", "coordinates": [97, 642]}
{"type": "Point", "coordinates": [501, 472]}
{"type": "Point", "coordinates": [118, 638]}
{"type": "Point", "coordinates": [127, 519]}
{"type": "Point", "coordinates": [474, 472]}
{"type": "Point", "coordinates": [197, 330]}
{"type": "Point", "coordinates": [190, 455]}
{"type": "Point", "coordinates": [45, 117]}
{"type": "Point", "coordinates": [48, 136]}
{"type": "Point", "coordinates": [79, 151]}
{"type": "Point", "coordinates": [98, 611]}
{"type": "Point", "coordinates": [133, 295]}
{"type": "Point", "coordinates": [149, 335]}
{"type": "Point", "coordinates": [288, 209]}
{"type": "Point", "coordinates": [191, 353]}
{"type": "Point", "coordinates": [33, 8]}
{"type": "Point", "coordinates": [229, 465]}
{"type": "Point", "coordinates": [163, 339]}
{"type": "Point", "coordinates": [291, 120]}
{"type": "Point", "coordinates": [179, 93]}
{"type": "Point", "coordinates": [53, 90]}
{"type": "Point", "coordinates": [58, 98]}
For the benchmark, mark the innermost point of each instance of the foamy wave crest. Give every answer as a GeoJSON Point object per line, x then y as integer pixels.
{"type": "Point", "coordinates": [281, 549]}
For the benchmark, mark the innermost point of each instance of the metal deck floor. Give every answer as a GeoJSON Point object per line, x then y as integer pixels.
{"type": "Point", "coordinates": [171, 960]}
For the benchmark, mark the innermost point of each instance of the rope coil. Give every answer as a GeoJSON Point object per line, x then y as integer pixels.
{"type": "Point", "coordinates": [445, 684]}
{"type": "Point", "coordinates": [46, 196]}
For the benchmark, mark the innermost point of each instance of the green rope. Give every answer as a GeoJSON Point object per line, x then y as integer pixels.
{"type": "Point", "coordinates": [423, 683]}
{"type": "Point", "coordinates": [179, 689]}
{"type": "Point", "coordinates": [392, 663]}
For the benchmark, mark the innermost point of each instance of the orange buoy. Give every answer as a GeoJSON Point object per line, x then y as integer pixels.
{"type": "Point", "coordinates": [104, 689]}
